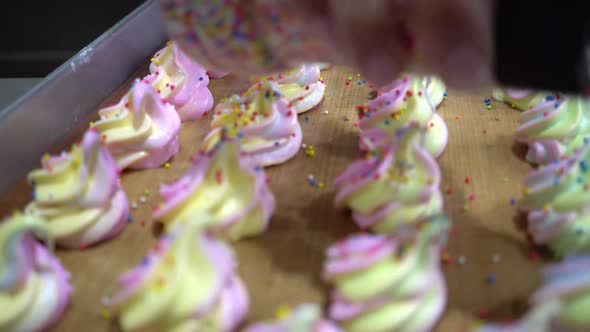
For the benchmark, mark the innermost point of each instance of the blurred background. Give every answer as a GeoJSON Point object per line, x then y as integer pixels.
{"type": "Point", "coordinates": [38, 36]}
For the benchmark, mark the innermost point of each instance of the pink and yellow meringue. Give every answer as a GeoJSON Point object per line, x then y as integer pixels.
{"type": "Point", "coordinates": [262, 118]}
{"type": "Point", "coordinates": [303, 86]}
{"type": "Point", "coordinates": [305, 318]}
{"type": "Point", "coordinates": [386, 283]}
{"type": "Point", "coordinates": [181, 81]}
{"type": "Point", "coordinates": [405, 101]}
{"type": "Point", "coordinates": [187, 283]}
{"type": "Point", "coordinates": [553, 128]}
{"type": "Point", "coordinates": [560, 305]}
{"type": "Point", "coordinates": [557, 200]}
{"type": "Point", "coordinates": [434, 88]}
{"type": "Point", "coordinates": [34, 287]}
{"type": "Point", "coordinates": [397, 186]}
{"type": "Point", "coordinates": [77, 194]}
{"type": "Point", "coordinates": [225, 185]}
{"type": "Point", "coordinates": [140, 131]}
{"type": "Point", "coordinates": [519, 99]}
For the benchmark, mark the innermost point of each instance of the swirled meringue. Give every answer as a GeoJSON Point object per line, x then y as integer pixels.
{"type": "Point", "coordinates": [386, 283]}
{"type": "Point", "coordinates": [557, 200]}
{"type": "Point", "coordinates": [140, 131]}
{"type": "Point", "coordinates": [225, 185]}
{"type": "Point", "coordinates": [188, 283]}
{"type": "Point", "coordinates": [432, 85]}
{"type": "Point", "coordinates": [519, 99]}
{"type": "Point", "coordinates": [405, 101]}
{"type": "Point", "coordinates": [554, 128]}
{"type": "Point", "coordinates": [267, 126]}
{"type": "Point", "coordinates": [305, 318]}
{"type": "Point", "coordinates": [436, 89]}
{"type": "Point", "coordinates": [398, 186]}
{"type": "Point", "coordinates": [303, 86]}
{"type": "Point", "coordinates": [78, 196]}
{"type": "Point", "coordinates": [181, 81]}
{"type": "Point", "coordinates": [560, 305]}
{"type": "Point", "coordinates": [34, 287]}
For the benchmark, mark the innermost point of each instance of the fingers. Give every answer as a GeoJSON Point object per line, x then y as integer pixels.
{"type": "Point", "coordinates": [454, 40]}
{"type": "Point", "coordinates": [375, 33]}
{"type": "Point", "coordinates": [451, 38]}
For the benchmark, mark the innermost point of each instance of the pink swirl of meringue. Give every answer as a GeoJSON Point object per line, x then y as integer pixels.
{"type": "Point", "coordinates": [181, 81]}
{"type": "Point", "coordinates": [141, 131]}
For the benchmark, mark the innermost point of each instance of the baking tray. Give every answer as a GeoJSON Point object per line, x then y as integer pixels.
{"type": "Point", "coordinates": [282, 266]}
{"type": "Point", "coordinates": [41, 118]}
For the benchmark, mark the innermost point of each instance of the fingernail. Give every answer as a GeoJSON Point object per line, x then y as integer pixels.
{"type": "Point", "coordinates": [380, 69]}
{"type": "Point", "coordinates": [466, 68]}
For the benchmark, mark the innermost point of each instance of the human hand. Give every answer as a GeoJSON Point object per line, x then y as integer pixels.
{"type": "Point", "coordinates": [383, 38]}
{"type": "Point", "coordinates": [449, 38]}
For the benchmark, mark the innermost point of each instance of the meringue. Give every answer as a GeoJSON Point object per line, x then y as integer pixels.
{"type": "Point", "coordinates": [188, 283]}
{"type": "Point", "coordinates": [398, 186]}
{"type": "Point", "coordinates": [554, 128]}
{"type": "Point", "coordinates": [303, 86]}
{"type": "Point", "coordinates": [267, 126]}
{"type": "Point", "coordinates": [406, 101]}
{"type": "Point", "coordinates": [434, 87]}
{"type": "Point", "coordinates": [557, 200]}
{"type": "Point", "coordinates": [386, 283]}
{"type": "Point", "coordinates": [522, 100]}
{"type": "Point", "coordinates": [34, 287]}
{"type": "Point", "coordinates": [225, 185]}
{"type": "Point", "coordinates": [305, 318]}
{"type": "Point", "coordinates": [140, 131]}
{"type": "Point", "coordinates": [77, 194]}
{"type": "Point", "coordinates": [560, 305]}
{"type": "Point", "coordinates": [181, 81]}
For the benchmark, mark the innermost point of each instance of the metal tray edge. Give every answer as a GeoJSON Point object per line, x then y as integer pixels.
{"type": "Point", "coordinates": [45, 115]}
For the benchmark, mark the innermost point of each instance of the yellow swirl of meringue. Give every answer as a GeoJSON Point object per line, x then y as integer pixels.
{"type": "Point", "coordinates": [179, 286]}
{"type": "Point", "coordinates": [224, 187]}
{"type": "Point", "coordinates": [26, 304]}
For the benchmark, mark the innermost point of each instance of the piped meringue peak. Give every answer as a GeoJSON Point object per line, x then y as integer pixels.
{"type": "Point", "coordinates": [397, 186]}
{"type": "Point", "coordinates": [520, 99]}
{"type": "Point", "coordinates": [302, 86]}
{"type": "Point", "coordinates": [554, 128]}
{"type": "Point", "coordinates": [77, 194]}
{"type": "Point", "coordinates": [556, 198]}
{"type": "Point", "coordinates": [264, 122]}
{"type": "Point", "coordinates": [226, 185]}
{"type": "Point", "coordinates": [187, 283]}
{"type": "Point", "coordinates": [181, 81]}
{"type": "Point", "coordinates": [141, 131]}
{"type": "Point", "coordinates": [388, 283]}
{"type": "Point", "coordinates": [34, 287]}
{"type": "Point", "coordinates": [402, 102]}
{"type": "Point", "coordinates": [433, 87]}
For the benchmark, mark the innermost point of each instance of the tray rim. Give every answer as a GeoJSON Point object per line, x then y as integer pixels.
{"type": "Point", "coordinates": [43, 116]}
